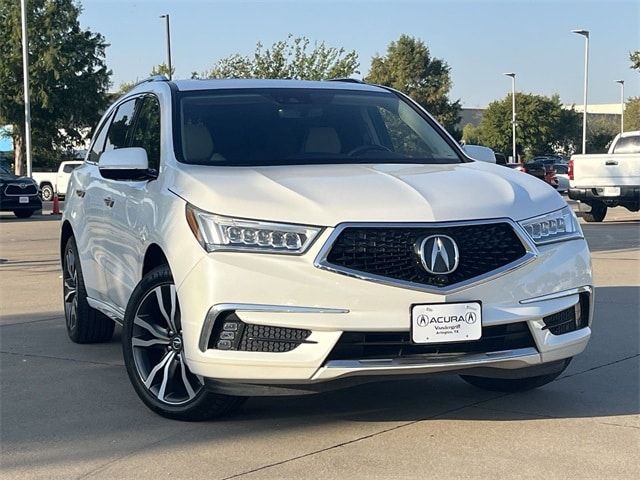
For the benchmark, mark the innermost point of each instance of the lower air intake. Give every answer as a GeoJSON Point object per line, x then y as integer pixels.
{"type": "Point", "coordinates": [231, 333]}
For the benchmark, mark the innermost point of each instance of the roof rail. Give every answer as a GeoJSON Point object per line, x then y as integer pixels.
{"type": "Point", "coordinates": [346, 80]}
{"type": "Point", "coordinates": [153, 78]}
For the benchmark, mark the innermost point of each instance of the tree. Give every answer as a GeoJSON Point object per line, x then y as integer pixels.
{"type": "Point", "coordinates": [409, 67]}
{"type": "Point", "coordinates": [632, 114]}
{"type": "Point", "coordinates": [601, 129]}
{"type": "Point", "coordinates": [471, 134]}
{"type": "Point", "coordinates": [543, 126]}
{"type": "Point", "coordinates": [634, 58]}
{"type": "Point", "coordinates": [161, 69]}
{"type": "Point", "coordinates": [69, 77]}
{"type": "Point", "coordinates": [290, 58]}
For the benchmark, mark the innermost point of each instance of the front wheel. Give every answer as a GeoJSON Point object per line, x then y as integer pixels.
{"type": "Point", "coordinates": [154, 356]}
{"type": "Point", "coordinates": [514, 384]}
{"type": "Point", "coordinates": [23, 213]}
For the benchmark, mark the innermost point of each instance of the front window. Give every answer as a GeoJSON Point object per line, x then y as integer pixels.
{"type": "Point", "coordinates": [261, 127]}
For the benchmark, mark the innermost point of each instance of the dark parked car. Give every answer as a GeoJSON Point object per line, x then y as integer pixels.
{"type": "Point", "coordinates": [545, 171]}
{"type": "Point", "coordinates": [18, 194]}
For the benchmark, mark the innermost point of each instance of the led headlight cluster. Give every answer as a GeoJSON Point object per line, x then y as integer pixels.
{"type": "Point", "coordinates": [553, 227]}
{"type": "Point", "coordinates": [216, 232]}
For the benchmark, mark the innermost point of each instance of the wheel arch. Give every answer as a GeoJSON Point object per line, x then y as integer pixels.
{"type": "Point", "coordinates": [65, 234]}
{"type": "Point", "coordinates": [153, 257]}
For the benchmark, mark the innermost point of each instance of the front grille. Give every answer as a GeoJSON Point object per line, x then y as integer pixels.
{"type": "Point", "coordinates": [231, 333]}
{"type": "Point", "coordinates": [570, 319]}
{"type": "Point", "coordinates": [392, 252]}
{"type": "Point", "coordinates": [376, 345]}
{"type": "Point", "coordinates": [15, 189]}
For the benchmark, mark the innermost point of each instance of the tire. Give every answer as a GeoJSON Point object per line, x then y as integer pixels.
{"type": "Point", "coordinates": [46, 192]}
{"type": "Point", "coordinates": [514, 384]}
{"type": "Point", "coordinates": [84, 324]}
{"type": "Point", "coordinates": [154, 357]}
{"type": "Point", "coordinates": [23, 213]}
{"type": "Point", "coordinates": [597, 213]}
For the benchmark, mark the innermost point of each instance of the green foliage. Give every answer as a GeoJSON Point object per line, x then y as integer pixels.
{"type": "Point", "coordinates": [290, 58]}
{"type": "Point", "coordinates": [634, 58]}
{"type": "Point", "coordinates": [68, 74]}
{"type": "Point", "coordinates": [601, 129]}
{"type": "Point", "coordinates": [409, 67]}
{"type": "Point", "coordinates": [543, 126]}
{"type": "Point", "coordinates": [632, 114]}
{"type": "Point", "coordinates": [471, 134]}
{"type": "Point", "coordinates": [161, 69]}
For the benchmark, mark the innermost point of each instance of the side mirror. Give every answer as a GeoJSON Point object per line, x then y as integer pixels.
{"type": "Point", "coordinates": [126, 164]}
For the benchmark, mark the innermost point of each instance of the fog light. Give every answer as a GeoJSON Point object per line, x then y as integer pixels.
{"type": "Point", "coordinates": [223, 344]}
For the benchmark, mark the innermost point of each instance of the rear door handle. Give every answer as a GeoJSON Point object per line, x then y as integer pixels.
{"type": "Point", "coordinates": [611, 162]}
{"type": "Point", "coordinates": [108, 201]}
{"type": "Point", "coordinates": [80, 193]}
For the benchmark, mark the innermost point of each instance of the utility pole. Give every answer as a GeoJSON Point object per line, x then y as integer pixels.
{"type": "Point", "coordinates": [168, 35]}
{"type": "Point", "coordinates": [27, 102]}
{"type": "Point", "coordinates": [513, 113]}
{"type": "Point", "coordinates": [585, 34]}
{"type": "Point", "coordinates": [621, 82]}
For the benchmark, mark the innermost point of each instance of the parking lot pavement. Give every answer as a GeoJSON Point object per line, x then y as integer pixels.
{"type": "Point", "coordinates": [68, 411]}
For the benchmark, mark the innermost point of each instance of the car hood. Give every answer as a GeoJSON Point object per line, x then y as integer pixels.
{"type": "Point", "coordinates": [326, 195]}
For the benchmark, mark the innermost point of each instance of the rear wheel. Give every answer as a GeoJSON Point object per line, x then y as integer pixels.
{"type": "Point", "coordinates": [23, 213]}
{"type": "Point", "coordinates": [514, 384]}
{"type": "Point", "coordinates": [597, 213]}
{"type": "Point", "coordinates": [84, 324]}
{"type": "Point", "coordinates": [154, 355]}
{"type": "Point", "coordinates": [46, 192]}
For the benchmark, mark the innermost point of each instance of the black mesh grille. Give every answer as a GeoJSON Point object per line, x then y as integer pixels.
{"type": "Point", "coordinates": [393, 251]}
{"type": "Point", "coordinates": [231, 333]}
{"type": "Point", "coordinates": [570, 319]}
{"type": "Point", "coordinates": [260, 338]}
{"type": "Point", "coordinates": [12, 189]}
{"type": "Point", "coordinates": [371, 345]}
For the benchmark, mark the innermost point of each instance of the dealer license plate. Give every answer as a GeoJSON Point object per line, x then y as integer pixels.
{"type": "Point", "coordinates": [446, 322]}
{"type": "Point", "coordinates": [23, 200]}
{"type": "Point", "coordinates": [611, 191]}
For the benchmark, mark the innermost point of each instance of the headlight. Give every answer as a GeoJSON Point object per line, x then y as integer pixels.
{"type": "Point", "coordinates": [215, 232]}
{"type": "Point", "coordinates": [553, 227]}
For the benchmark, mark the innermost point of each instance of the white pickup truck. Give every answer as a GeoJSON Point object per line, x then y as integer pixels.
{"type": "Point", "coordinates": [51, 183]}
{"type": "Point", "coordinates": [608, 180]}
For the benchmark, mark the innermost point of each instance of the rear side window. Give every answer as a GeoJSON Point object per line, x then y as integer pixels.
{"type": "Point", "coordinates": [147, 131]}
{"type": "Point", "coordinates": [121, 129]}
{"type": "Point", "coordinates": [628, 145]}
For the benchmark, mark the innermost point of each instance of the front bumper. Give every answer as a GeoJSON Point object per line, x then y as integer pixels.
{"type": "Point", "coordinates": [11, 203]}
{"type": "Point", "coordinates": [289, 291]}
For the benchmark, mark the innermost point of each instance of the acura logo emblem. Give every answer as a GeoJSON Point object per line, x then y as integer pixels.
{"type": "Point", "coordinates": [439, 254]}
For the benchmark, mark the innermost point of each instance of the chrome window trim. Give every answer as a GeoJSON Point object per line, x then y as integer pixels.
{"type": "Point", "coordinates": [220, 308]}
{"type": "Point", "coordinates": [531, 252]}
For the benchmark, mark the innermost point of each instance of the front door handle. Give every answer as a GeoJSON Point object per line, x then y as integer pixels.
{"type": "Point", "coordinates": [611, 162]}
{"type": "Point", "coordinates": [108, 201]}
{"type": "Point", "coordinates": [80, 193]}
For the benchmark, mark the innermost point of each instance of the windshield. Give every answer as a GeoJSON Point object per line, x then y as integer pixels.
{"type": "Point", "coordinates": [251, 127]}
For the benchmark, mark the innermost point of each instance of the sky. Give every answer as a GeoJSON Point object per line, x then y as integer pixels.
{"type": "Point", "coordinates": [480, 40]}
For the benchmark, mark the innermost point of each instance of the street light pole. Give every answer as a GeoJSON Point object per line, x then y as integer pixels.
{"type": "Point", "coordinates": [585, 34]}
{"type": "Point", "coordinates": [621, 82]}
{"type": "Point", "coordinates": [25, 74]}
{"type": "Point", "coordinates": [166, 17]}
{"type": "Point", "coordinates": [513, 113]}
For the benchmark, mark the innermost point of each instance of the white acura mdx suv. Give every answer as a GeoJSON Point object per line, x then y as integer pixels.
{"type": "Point", "coordinates": [263, 237]}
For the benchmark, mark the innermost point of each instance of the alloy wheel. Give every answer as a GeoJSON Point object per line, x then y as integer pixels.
{"type": "Point", "coordinates": [70, 289]}
{"type": "Point", "coordinates": [158, 351]}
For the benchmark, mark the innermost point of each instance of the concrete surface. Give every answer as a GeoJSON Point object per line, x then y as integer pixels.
{"type": "Point", "coordinates": [68, 411]}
